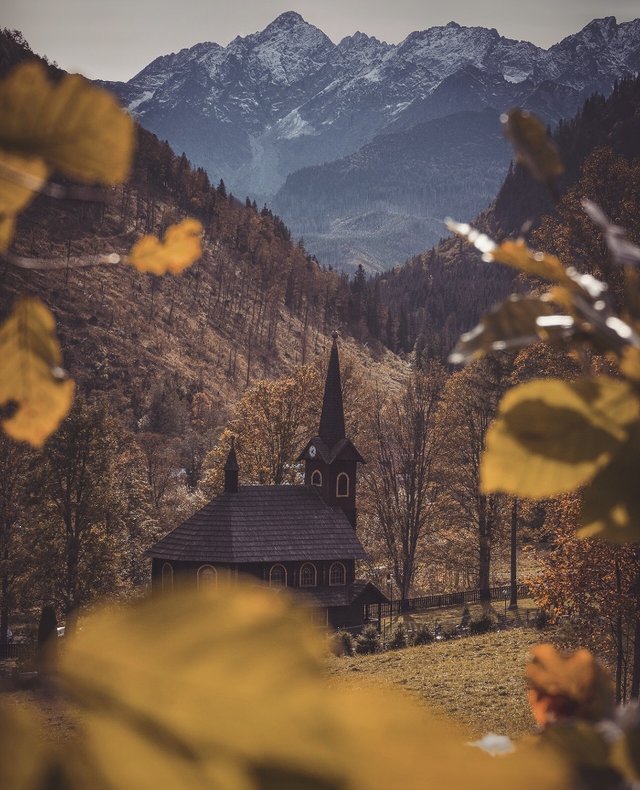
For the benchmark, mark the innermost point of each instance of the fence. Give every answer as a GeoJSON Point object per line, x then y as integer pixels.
{"type": "Point", "coordinates": [16, 650]}
{"type": "Point", "coordinates": [502, 592]}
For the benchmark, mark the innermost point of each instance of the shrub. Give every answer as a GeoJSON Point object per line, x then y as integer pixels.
{"type": "Point", "coordinates": [399, 638]}
{"type": "Point", "coordinates": [343, 643]}
{"type": "Point", "coordinates": [422, 635]}
{"type": "Point", "coordinates": [368, 640]}
{"type": "Point", "coordinates": [541, 620]}
{"type": "Point", "coordinates": [482, 625]}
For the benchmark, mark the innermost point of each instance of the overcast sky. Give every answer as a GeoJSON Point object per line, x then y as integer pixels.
{"type": "Point", "coordinates": [114, 39]}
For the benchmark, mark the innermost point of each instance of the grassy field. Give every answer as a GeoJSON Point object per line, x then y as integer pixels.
{"type": "Point", "coordinates": [478, 681]}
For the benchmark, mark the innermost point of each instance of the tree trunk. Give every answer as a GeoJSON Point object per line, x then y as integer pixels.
{"type": "Point", "coordinates": [635, 675]}
{"type": "Point", "coordinates": [4, 601]}
{"type": "Point", "coordinates": [513, 602]}
{"type": "Point", "coordinates": [618, 638]}
{"type": "Point", "coordinates": [484, 571]}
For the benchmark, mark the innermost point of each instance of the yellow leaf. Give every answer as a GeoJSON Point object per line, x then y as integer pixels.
{"type": "Point", "coordinates": [587, 748]}
{"type": "Point", "coordinates": [23, 751]}
{"type": "Point", "coordinates": [611, 504]}
{"type": "Point", "coordinates": [7, 226]}
{"type": "Point", "coordinates": [576, 684]}
{"type": "Point", "coordinates": [227, 688]}
{"type": "Point", "coordinates": [30, 373]}
{"type": "Point", "coordinates": [630, 363]}
{"type": "Point", "coordinates": [625, 751]}
{"type": "Point", "coordinates": [20, 179]}
{"type": "Point", "coordinates": [74, 126]}
{"type": "Point", "coordinates": [537, 264]}
{"type": "Point", "coordinates": [552, 436]}
{"type": "Point", "coordinates": [532, 145]}
{"type": "Point", "coordinates": [181, 246]}
{"type": "Point", "coordinates": [511, 324]}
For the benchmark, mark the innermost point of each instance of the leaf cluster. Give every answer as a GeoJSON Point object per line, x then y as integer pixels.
{"type": "Point", "coordinates": [170, 693]}
{"type": "Point", "coordinates": [553, 436]}
{"type": "Point", "coordinates": [77, 130]}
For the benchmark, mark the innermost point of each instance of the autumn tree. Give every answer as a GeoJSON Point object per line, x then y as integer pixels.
{"type": "Point", "coordinates": [469, 405]}
{"type": "Point", "coordinates": [401, 479]}
{"type": "Point", "coordinates": [594, 585]}
{"type": "Point", "coordinates": [271, 422]}
{"type": "Point", "coordinates": [14, 466]}
{"type": "Point", "coordinates": [77, 528]}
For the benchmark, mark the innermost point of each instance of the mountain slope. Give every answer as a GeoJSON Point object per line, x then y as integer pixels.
{"type": "Point", "coordinates": [287, 98]}
{"type": "Point", "coordinates": [254, 306]}
{"type": "Point", "coordinates": [443, 292]}
{"type": "Point", "coordinates": [395, 191]}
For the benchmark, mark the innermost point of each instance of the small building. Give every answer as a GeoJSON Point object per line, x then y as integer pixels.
{"type": "Point", "coordinates": [301, 537]}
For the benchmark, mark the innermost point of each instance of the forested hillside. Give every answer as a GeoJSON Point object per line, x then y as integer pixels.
{"type": "Point", "coordinates": [255, 305]}
{"type": "Point", "coordinates": [393, 193]}
{"type": "Point", "coordinates": [443, 292]}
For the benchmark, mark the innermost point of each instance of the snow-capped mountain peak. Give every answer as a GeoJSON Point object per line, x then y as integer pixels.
{"type": "Point", "coordinates": [287, 97]}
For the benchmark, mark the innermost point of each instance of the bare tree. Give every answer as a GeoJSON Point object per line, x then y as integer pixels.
{"type": "Point", "coordinates": [470, 403]}
{"type": "Point", "coordinates": [14, 463]}
{"type": "Point", "coordinates": [402, 479]}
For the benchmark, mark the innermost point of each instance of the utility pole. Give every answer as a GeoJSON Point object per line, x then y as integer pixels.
{"type": "Point", "coordinates": [513, 603]}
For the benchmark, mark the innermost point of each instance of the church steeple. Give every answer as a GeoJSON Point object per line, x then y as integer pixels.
{"type": "Point", "coordinates": [330, 458]}
{"type": "Point", "coordinates": [332, 428]}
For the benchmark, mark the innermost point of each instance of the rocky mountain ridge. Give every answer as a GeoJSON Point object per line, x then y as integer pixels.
{"type": "Point", "coordinates": [286, 98]}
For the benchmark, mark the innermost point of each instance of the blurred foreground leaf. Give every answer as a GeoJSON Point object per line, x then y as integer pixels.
{"type": "Point", "coordinates": [24, 757]}
{"type": "Point", "coordinates": [74, 126]}
{"type": "Point", "coordinates": [512, 324]}
{"type": "Point", "coordinates": [552, 436]}
{"type": "Point", "coordinates": [30, 373]}
{"type": "Point", "coordinates": [576, 678]}
{"type": "Point", "coordinates": [181, 246]}
{"type": "Point", "coordinates": [611, 504]}
{"type": "Point", "coordinates": [534, 149]}
{"type": "Point", "coordinates": [623, 252]}
{"type": "Point", "coordinates": [227, 689]}
{"type": "Point", "coordinates": [70, 125]}
{"type": "Point", "coordinates": [20, 178]}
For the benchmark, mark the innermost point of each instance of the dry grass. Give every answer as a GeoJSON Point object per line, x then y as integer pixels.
{"type": "Point", "coordinates": [58, 723]}
{"type": "Point", "coordinates": [478, 681]}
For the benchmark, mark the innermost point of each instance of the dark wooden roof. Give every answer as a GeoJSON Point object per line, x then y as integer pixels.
{"type": "Point", "coordinates": [341, 596]}
{"type": "Point", "coordinates": [263, 524]}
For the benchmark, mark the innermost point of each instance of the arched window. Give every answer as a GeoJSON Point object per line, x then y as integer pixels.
{"type": "Point", "coordinates": [278, 576]}
{"type": "Point", "coordinates": [308, 575]}
{"type": "Point", "coordinates": [167, 577]}
{"type": "Point", "coordinates": [316, 478]}
{"type": "Point", "coordinates": [337, 574]}
{"type": "Point", "coordinates": [342, 484]}
{"type": "Point", "coordinates": [207, 577]}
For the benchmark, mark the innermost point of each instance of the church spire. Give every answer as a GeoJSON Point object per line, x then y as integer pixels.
{"type": "Point", "coordinates": [332, 428]}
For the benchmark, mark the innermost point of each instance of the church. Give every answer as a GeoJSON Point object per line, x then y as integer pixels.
{"type": "Point", "coordinates": [299, 537]}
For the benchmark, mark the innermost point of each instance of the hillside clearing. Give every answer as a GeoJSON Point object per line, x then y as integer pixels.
{"type": "Point", "coordinates": [478, 681]}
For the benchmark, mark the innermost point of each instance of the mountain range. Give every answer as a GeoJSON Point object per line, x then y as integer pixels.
{"type": "Point", "coordinates": [315, 128]}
